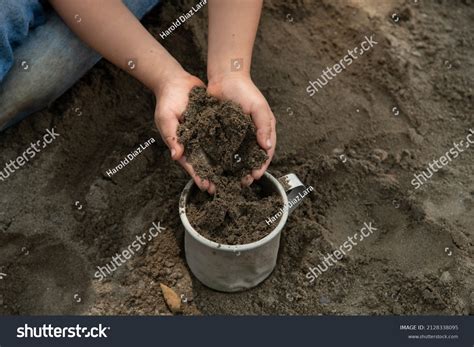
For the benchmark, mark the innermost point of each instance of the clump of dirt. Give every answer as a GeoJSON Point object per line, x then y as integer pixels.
{"type": "Point", "coordinates": [220, 143]}
{"type": "Point", "coordinates": [219, 138]}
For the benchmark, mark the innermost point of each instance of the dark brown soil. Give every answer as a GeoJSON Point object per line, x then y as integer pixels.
{"type": "Point", "coordinates": [236, 217]}
{"type": "Point", "coordinates": [221, 144]}
{"type": "Point", "coordinates": [219, 139]}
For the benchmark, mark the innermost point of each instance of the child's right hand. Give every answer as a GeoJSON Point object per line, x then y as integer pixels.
{"type": "Point", "coordinates": [172, 95]}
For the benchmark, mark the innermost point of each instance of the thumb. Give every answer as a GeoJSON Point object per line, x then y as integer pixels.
{"type": "Point", "coordinates": [168, 127]}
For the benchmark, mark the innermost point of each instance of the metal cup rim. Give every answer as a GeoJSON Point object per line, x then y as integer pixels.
{"type": "Point", "coordinates": [225, 247]}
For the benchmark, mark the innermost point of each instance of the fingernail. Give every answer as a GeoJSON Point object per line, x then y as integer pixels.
{"type": "Point", "coordinates": [269, 143]}
{"type": "Point", "coordinates": [173, 152]}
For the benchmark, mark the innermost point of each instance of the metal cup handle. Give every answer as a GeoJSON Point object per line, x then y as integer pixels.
{"type": "Point", "coordinates": [293, 187]}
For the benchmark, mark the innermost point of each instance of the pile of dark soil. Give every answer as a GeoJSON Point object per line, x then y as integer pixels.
{"type": "Point", "coordinates": [220, 143]}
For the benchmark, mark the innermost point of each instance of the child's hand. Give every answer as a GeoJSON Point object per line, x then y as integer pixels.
{"type": "Point", "coordinates": [240, 89]}
{"type": "Point", "coordinates": [172, 97]}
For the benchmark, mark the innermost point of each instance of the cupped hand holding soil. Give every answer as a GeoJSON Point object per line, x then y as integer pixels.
{"type": "Point", "coordinates": [219, 139]}
{"type": "Point", "coordinates": [243, 92]}
{"type": "Point", "coordinates": [172, 99]}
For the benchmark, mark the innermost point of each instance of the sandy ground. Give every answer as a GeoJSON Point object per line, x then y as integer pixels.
{"type": "Point", "coordinates": [358, 142]}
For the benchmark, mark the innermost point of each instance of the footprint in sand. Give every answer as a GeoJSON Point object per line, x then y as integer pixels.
{"type": "Point", "coordinates": [45, 276]}
{"type": "Point", "coordinates": [404, 239]}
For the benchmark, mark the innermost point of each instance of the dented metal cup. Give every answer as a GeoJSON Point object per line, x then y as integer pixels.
{"type": "Point", "coordinates": [231, 268]}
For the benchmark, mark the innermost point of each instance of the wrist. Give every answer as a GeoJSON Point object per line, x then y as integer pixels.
{"type": "Point", "coordinates": [165, 75]}
{"type": "Point", "coordinates": [219, 79]}
{"type": "Point", "coordinates": [227, 70]}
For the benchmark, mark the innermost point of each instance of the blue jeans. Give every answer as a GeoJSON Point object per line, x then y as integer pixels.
{"type": "Point", "coordinates": [48, 63]}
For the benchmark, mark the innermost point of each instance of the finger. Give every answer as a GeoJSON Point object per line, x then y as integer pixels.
{"type": "Point", "coordinates": [258, 173]}
{"type": "Point", "coordinates": [262, 117]}
{"type": "Point", "coordinates": [202, 184]}
{"type": "Point", "coordinates": [247, 180]}
{"type": "Point", "coordinates": [168, 125]}
{"type": "Point", "coordinates": [212, 188]}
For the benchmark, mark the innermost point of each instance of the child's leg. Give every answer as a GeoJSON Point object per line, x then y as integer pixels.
{"type": "Point", "coordinates": [47, 64]}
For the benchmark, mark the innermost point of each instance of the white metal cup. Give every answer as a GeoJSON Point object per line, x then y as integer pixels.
{"type": "Point", "coordinates": [231, 268]}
